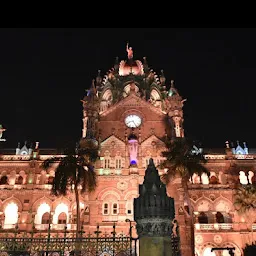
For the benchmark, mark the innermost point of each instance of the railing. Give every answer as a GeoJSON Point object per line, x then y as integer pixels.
{"type": "Point", "coordinates": [110, 218]}
{"type": "Point", "coordinates": [214, 226]}
{"type": "Point", "coordinates": [55, 226]}
{"type": "Point", "coordinates": [65, 243]}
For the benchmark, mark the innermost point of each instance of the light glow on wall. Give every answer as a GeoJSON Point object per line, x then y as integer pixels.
{"type": "Point", "coordinates": [11, 215]}
{"type": "Point", "coordinates": [59, 209]}
{"type": "Point", "coordinates": [42, 209]}
{"type": "Point", "coordinates": [207, 252]}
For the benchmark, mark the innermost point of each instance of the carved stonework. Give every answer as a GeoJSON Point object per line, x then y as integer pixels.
{"type": "Point", "coordinates": [154, 227]}
{"type": "Point", "coordinates": [217, 239]}
{"type": "Point", "coordinates": [122, 185]}
{"type": "Point", "coordinates": [199, 239]}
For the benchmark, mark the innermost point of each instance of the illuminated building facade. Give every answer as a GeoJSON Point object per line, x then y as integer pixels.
{"type": "Point", "coordinates": [129, 111]}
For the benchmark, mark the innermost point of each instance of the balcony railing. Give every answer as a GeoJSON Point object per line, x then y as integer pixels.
{"type": "Point", "coordinates": [214, 226]}
{"type": "Point", "coordinates": [55, 226]}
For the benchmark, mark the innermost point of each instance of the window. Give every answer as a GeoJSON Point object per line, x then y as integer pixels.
{"type": "Point", "coordinates": [118, 163]}
{"type": "Point", "coordinates": [114, 209]}
{"type": "Point", "coordinates": [107, 163]}
{"type": "Point", "coordinates": [19, 180]}
{"type": "Point", "coordinates": [46, 218]}
{"type": "Point", "coordinates": [4, 180]}
{"type": "Point", "coordinates": [105, 209]}
{"type": "Point", "coordinates": [129, 207]}
{"type": "Point", "coordinates": [62, 219]}
{"type": "Point", "coordinates": [26, 201]}
{"type": "Point", "coordinates": [147, 162]}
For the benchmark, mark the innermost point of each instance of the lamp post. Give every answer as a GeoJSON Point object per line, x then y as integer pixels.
{"type": "Point", "coordinates": [130, 234]}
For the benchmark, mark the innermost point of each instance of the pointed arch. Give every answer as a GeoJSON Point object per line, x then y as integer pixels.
{"type": "Point", "coordinates": [12, 199]}
{"type": "Point", "coordinates": [222, 204]}
{"type": "Point", "coordinates": [203, 204]}
{"type": "Point", "coordinates": [238, 251]}
{"type": "Point", "coordinates": [59, 201]}
{"type": "Point", "coordinates": [109, 191]}
{"type": "Point", "coordinates": [41, 200]}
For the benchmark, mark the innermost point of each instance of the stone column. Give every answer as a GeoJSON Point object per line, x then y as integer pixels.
{"type": "Point", "coordinates": [153, 213]}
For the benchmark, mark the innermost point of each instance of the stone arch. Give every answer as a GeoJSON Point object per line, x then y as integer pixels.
{"type": "Point", "coordinates": [222, 204]}
{"type": "Point", "coordinates": [59, 201]}
{"type": "Point", "coordinates": [203, 205]}
{"type": "Point", "coordinates": [109, 191]}
{"type": "Point", "coordinates": [206, 246]}
{"type": "Point", "coordinates": [238, 251]}
{"type": "Point", "coordinates": [61, 208]}
{"type": "Point", "coordinates": [131, 194]}
{"type": "Point", "coordinates": [12, 200]}
{"type": "Point", "coordinates": [41, 200]}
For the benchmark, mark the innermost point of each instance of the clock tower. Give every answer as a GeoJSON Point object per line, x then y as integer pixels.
{"type": "Point", "coordinates": [129, 112]}
{"type": "Point", "coordinates": [132, 101]}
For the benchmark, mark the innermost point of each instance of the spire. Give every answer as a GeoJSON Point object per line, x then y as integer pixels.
{"type": "Point", "coordinates": [98, 78]}
{"type": "Point", "coordinates": [162, 78]}
{"type": "Point", "coordinates": [172, 91]}
{"type": "Point", "coordinates": [116, 66]}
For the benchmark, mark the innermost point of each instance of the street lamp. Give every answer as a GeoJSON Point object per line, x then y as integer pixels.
{"type": "Point", "coordinates": [130, 234]}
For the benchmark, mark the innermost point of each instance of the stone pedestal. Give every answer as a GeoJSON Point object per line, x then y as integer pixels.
{"type": "Point", "coordinates": [154, 214]}
{"type": "Point", "coordinates": [157, 246]}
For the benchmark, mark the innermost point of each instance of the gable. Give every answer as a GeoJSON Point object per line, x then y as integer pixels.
{"type": "Point", "coordinates": [132, 101]}
{"type": "Point", "coordinates": [152, 146]}
{"type": "Point", "coordinates": [113, 145]}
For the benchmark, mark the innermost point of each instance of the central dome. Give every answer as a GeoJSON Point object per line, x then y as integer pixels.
{"type": "Point", "coordinates": [131, 67]}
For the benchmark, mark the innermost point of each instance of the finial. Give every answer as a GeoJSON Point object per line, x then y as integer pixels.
{"type": "Point", "coordinates": [98, 78]}
{"type": "Point", "coordinates": [237, 143]}
{"type": "Point", "coordinates": [172, 83]}
{"type": "Point", "coordinates": [116, 66]}
{"type": "Point", "coordinates": [244, 145]}
{"type": "Point", "coordinates": [151, 162]}
{"type": "Point", "coordinates": [129, 51]}
{"type": "Point", "coordinates": [227, 144]}
{"type": "Point", "coordinates": [162, 77]}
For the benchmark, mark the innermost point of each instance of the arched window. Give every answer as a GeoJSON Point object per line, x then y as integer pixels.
{"type": "Point", "coordinates": [4, 180]}
{"type": "Point", "coordinates": [11, 215]}
{"type": "Point", "coordinates": [219, 217]}
{"type": "Point", "coordinates": [202, 218]}
{"type": "Point", "coordinates": [213, 180]}
{"type": "Point", "coordinates": [62, 219]}
{"type": "Point", "coordinates": [114, 208]}
{"type": "Point", "coordinates": [208, 252]}
{"type": "Point", "coordinates": [105, 209]}
{"type": "Point", "coordinates": [19, 180]}
{"type": "Point", "coordinates": [46, 218]}
{"type": "Point", "coordinates": [118, 163]}
{"type": "Point", "coordinates": [107, 163]}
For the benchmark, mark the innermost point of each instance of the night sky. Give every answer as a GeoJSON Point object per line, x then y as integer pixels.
{"type": "Point", "coordinates": [44, 74]}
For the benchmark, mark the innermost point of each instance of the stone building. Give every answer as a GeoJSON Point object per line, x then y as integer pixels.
{"type": "Point", "coordinates": [129, 111]}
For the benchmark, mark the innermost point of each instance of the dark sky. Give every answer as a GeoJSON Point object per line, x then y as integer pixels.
{"type": "Point", "coordinates": [44, 74]}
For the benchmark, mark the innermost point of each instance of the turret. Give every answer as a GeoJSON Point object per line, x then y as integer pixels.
{"type": "Point", "coordinates": [174, 105]}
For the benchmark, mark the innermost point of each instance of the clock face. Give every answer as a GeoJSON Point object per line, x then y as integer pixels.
{"type": "Point", "coordinates": [133, 121]}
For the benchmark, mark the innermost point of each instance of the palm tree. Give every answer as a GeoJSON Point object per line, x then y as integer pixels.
{"type": "Point", "coordinates": [73, 172]}
{"type": "Point", "coordinates": [245, 203]}
{"type": "Point", "coordinates": [181, 162]}
{"type": "Point", "coordinates": [250, 249]}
